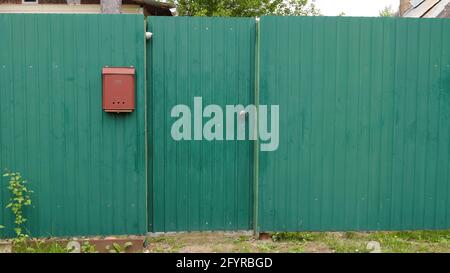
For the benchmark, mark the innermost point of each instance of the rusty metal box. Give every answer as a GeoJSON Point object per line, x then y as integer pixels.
{"type": "Point", "coordinates": [118, 89]}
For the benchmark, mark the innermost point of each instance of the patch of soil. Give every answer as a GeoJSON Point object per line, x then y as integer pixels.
{"type": "Point", "coordinates": [196, 249]}
{"type": "Point", "coordinates": [317, 248]}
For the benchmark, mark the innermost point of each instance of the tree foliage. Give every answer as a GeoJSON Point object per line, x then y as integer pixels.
{"type": "Point", "coordinates": [387, 12]}
{"type": "Point", "coordinates": [245, 8]}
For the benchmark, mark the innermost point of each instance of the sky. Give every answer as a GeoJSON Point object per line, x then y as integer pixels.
{"type": "Point", "coordinates": [355, 7]}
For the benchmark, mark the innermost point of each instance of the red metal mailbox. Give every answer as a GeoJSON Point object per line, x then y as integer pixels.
{"type": "Point", "coordinates": [118, 89]}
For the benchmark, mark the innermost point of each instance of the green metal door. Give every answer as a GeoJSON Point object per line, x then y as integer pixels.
{"type": "Point", "coordinates": [364, 123]}
{"type": "Point", "coordinates": [198, 184]}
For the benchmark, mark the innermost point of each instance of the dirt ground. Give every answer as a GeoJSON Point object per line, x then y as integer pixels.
{"type": "Point", "coordinates": [308, 242]}
{"type": "Point", "coordinates": [245, 242]}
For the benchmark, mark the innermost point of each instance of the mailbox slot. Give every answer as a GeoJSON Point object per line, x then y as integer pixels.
{"type": "Point", "coordinates": [118, 89]}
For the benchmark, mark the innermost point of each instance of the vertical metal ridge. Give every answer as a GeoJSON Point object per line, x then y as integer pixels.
{"type": "Point", "coordinates": [5, 66]}
{"type": "Point", "coordinates": [382, 67]}
{"type": "Point", "coordinates": [441, 130]}
{"type": "Point", "coordinates": [89, 200]}
{"type": "Point", "coordinates": [439, 89]}
{"type": "Point", "coordinates": [39, 125]}
{"type": "Point", "coordinates": [256, 188]}
{"type": "Point", "coordinates": [390, 217]}
{"type": "Point", "coordinates": [447, 199]}
{"type": "Point", "coordinates": [416, 129]}
{"type": "Point", "coordinates": [76, 133]}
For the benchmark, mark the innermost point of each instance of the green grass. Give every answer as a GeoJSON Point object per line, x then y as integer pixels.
{"type": "Point", "coordinates": [39, 247]}
{"type": "Point", "coordinates": [165, 244]}
{"type": "Point", "coordinates": [342, 242]}
{"type": "Point", "coordinates": [298, 236]}
{"type": "Point", "coordinates": [413, 241]}
{"type": "Point", "coordinates": [398, 241]}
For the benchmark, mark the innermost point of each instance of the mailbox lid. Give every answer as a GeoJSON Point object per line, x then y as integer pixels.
{"type": "Point", "coordinates": [118, 70]}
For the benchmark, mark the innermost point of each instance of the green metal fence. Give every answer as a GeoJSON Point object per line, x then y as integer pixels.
{"type": "Point", "coordinates": [86, 167]}
{"type": "Point", "coordinates": [364, 123]}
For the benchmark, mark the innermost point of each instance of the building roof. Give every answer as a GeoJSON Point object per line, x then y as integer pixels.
{"type": "Point", "coordinates": [428, 9]}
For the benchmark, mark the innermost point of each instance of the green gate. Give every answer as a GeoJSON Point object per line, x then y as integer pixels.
{"type": "Point", "coordinates": [198, 184]}
{"type": "Point", "coordinates": [364, 123]}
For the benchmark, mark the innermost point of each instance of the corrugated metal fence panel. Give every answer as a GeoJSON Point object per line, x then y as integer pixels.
{"type": "Point", "coordinates": [199, 185]}
{"type": "Point", "coordinates": [364, 123]}
{"type": "Point", "coordinates": [86, 167]}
